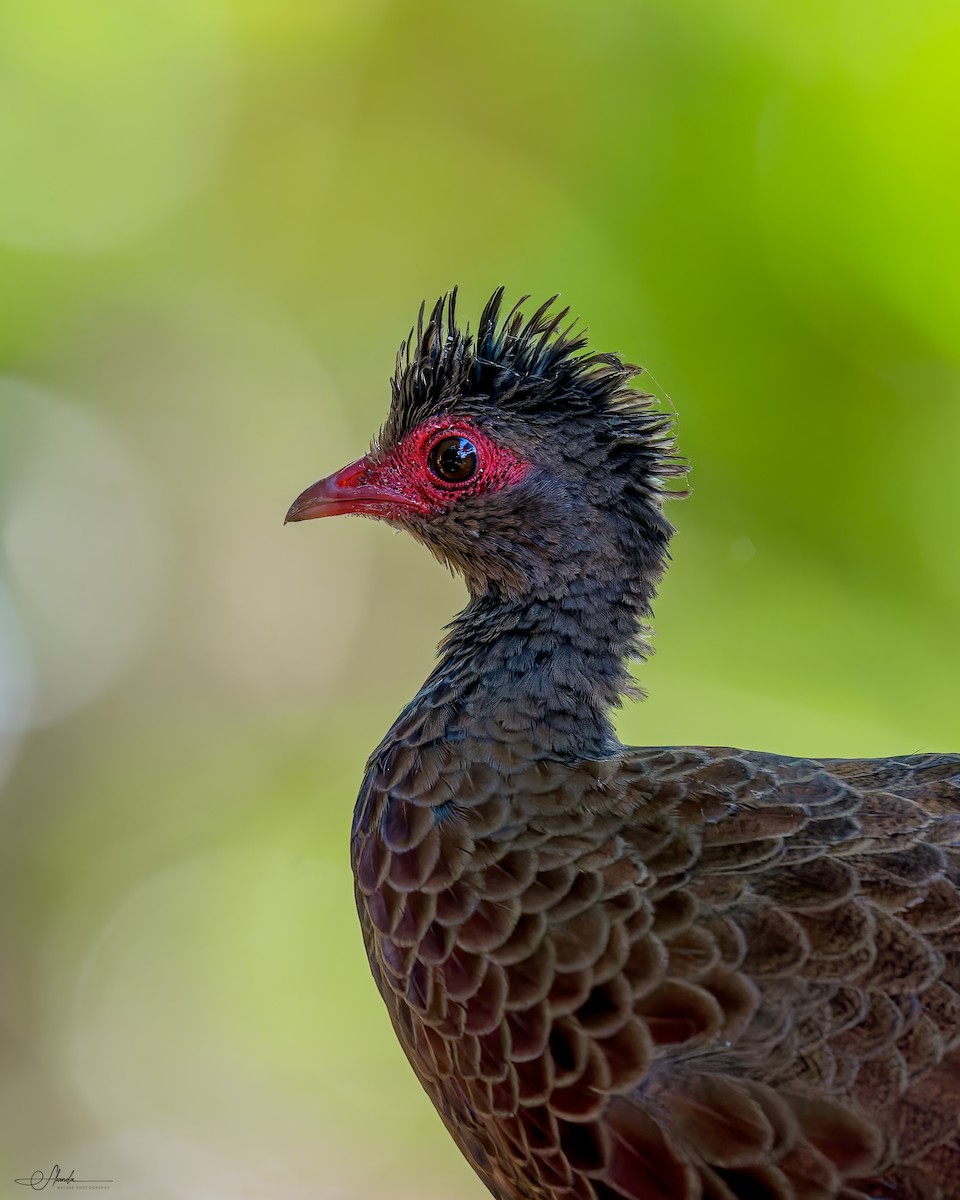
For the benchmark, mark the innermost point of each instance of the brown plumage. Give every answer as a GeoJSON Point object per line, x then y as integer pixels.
{"type": "Point", "coordinates": [629, 974]}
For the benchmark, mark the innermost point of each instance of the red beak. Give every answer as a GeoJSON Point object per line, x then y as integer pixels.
{"type": "Point", "coordinates": [350, 490]}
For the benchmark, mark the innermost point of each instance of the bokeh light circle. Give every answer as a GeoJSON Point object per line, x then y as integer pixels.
{"type": "Point", "coordinates": [83, 546]}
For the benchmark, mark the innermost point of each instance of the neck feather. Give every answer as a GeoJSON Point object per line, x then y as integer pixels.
{"type": "Point", "coordinates": [546, 669]}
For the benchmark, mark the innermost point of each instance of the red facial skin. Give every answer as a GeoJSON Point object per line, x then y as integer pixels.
{"type": "Point", "coordinates": [400, 482]}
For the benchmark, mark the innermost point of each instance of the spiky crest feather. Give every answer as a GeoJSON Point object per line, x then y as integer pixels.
{"type": "Point", "coordinates": [530, 370]}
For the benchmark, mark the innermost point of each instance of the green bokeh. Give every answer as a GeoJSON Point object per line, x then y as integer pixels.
{"type": "Point", "coordinates": [217, 220]}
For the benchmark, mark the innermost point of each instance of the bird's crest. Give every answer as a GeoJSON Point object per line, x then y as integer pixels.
{"type": "Point", "coordinates": [534, 369]}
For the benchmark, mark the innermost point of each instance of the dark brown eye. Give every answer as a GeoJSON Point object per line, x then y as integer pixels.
{"type": "Point", "coordinates": [454, 459]}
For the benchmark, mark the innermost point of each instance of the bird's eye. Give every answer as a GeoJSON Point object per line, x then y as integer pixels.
{"type": "Point", "coordinates": [454, 459]}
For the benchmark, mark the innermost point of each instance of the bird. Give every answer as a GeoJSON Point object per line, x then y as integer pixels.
{"type": "Point", "coordinates": [628, 973]}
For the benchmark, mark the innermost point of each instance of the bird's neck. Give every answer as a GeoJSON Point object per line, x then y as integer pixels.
{"type": "Point", "coordinates": [545, 670]}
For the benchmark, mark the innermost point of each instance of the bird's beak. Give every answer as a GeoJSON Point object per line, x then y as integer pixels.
{"type": "Point", "coordinates": [353, 489]}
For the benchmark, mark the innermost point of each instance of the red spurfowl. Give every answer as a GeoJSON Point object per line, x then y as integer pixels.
{"type": "Point", "coordinates": [680, 973]}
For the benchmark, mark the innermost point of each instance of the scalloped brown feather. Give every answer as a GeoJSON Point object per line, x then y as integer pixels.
{"type": "Point", "coordinates": [677, 973]}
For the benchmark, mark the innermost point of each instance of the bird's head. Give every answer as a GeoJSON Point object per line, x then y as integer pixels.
{"type": "Point", "coordinates": [516, 457]}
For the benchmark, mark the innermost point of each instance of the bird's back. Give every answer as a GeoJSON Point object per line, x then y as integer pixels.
{"type": "Point", "coordinates": [672, 973]}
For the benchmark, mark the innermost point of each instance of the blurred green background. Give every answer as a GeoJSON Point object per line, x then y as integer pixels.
{"type": "Point", "coordinates": [217, 220]}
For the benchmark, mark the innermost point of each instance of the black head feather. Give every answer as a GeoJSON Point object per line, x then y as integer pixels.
{"type": "Point", "coordinates": [532, 379]}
